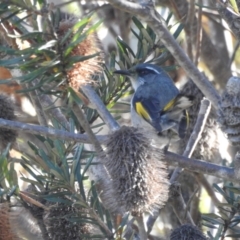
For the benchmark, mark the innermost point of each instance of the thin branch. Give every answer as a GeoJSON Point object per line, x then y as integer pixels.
{"type": "Point", "coordinates": [192, 142]}
{"type": "Point", "coordinates": [93, 214]}
{"type": "Point", "coordinates": [149, 15]}
{"type": "Point", "coordinates": [199, 34]}
{"type": "Point", "coordinates": [37, 105]}
{"type": "Point", "coordinates": [179, 206]}
{"type": "Point", "coordinates": [236, 47]}
{"type": "Point", "coordinates": [231, 17]}
{"type": "Point", "coordinates": [214, 60]}
{"type": "Point", "coordinates": [195, 135]}
{"type": "Point", "coordinates": [88, 130]}
{"type": "Point", "coordinates": [190, 18]}
{"type": "Point", "coordinates": [190, 200]}
{"type": "Point", "coordinates": [50, 132]}
{"type": "Point", "coordinates": [200, 166]}
{"type": "Point", "coordinates": [204, 182]}
{"type": "Point", "coordinates": [173, 159]}
{"type": "Point", "coordinates": [54, 111]}
{"type": "Point", "coordinates": [48, 105]}
{"type": "Point", "coordinates": [101, 108]}
{"type": "Point", "coordinates": [141, 227]}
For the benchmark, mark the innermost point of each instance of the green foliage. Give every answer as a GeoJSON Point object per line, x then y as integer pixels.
{"type": "Point", "coordinates": [8, 176]}
{"type": "Point", "coordinates": [57, 169]}
{"type": "Point", "coordinates": [227, 217]}
{"type": "Point", "coordinates": [61, 178]}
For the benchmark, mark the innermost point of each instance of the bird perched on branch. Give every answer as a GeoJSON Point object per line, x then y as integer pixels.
{"type": "Point", "coordinates": [157, 105]}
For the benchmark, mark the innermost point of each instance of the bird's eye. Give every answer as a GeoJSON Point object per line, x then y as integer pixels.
{"type": "Point", "coordinates": [143, 72]}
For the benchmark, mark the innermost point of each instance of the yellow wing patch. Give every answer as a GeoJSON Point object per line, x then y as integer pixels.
{"type": "Point", "coordinates": [142, 111]}
{"type": "Point", "coordinates": [169, 105]}
{"type": "Point", "coordinates": [187, 117]}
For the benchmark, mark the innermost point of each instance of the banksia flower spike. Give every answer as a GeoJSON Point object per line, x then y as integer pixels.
{"type": "Point", "coordinates": [187, 232]}
{"type": "Point", "coordinates": [229, 110]}
{"type": "Point", "coordinates": [6, 112]}
{"type": "Point", "coordinates": [6, 230]}
{"type": "Point", "coordinates": [138, 178]}
{"type": "Point", "coordinates": [83, 71]}
{"type": "Point", "coordinates": [59, 227]}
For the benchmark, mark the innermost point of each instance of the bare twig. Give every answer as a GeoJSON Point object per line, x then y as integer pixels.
{"type": "Point", "coordinates": [210, 54]}
{"type": "Point", "coordinates": [54, 111]}
{"type": "Point", "coordinates": [231, 17]}
{"type": "Point", "coordinates": [196, 134]}
{"type": "Point", "coordinates": [179, 206]}
{"type": "Point", "coordinates": [236, 47]}
{"type": "Point", "coordinates": [190, 200]}
{"type": "Point", "coordinates": [192, 142]}
{"type": "Point", "coordinates": [37, 106]}
{"type": "Point", "coordinates": [141, 227]}
{"type": "Point", "coordinates": [148, 14]}
{"type": "Point", "coordinates": [101, 108]}
{"type": "Point", "coordinates": [190, 18]}
{"type": "Point", "coordinates": [194, 165]}
{"type": "Point", "coordinates": [173, 159]}
{"type": "Point", "coordinates": [50, 132]}
{"type": "Point", "coordinates": [203, 181]}
{"type": "Point", "coordinates": [95, 216]}
{"type": "Point", "coordinates": [199, 34]}
{"type": "Point", "coordinates": [237, 165]}
{"type": "Point", "coordinates": [89, 131]}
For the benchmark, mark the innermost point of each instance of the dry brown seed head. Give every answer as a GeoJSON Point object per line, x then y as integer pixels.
{"type": "Point", "coordinates": [138, 178]}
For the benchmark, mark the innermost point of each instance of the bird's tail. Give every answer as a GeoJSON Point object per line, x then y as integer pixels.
{"type": "Point", "coordinates": [177, 112]}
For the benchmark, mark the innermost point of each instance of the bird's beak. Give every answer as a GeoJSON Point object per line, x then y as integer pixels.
{"type": "Point", "coordinates": [123, 72]}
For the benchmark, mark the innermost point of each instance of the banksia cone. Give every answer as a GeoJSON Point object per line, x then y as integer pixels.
{"type": "Point", "coordinates": [187, 232]}
{"type": "Point", "coordinates": [82, 72]}
{"type": "Point", "coordinates": [10, 89]}
{"type": "Point", "coordinates": [6, 112]}
{"type": "Point", "coordinates": [139, 179]}
{"type": "Point", "coordinates": [229, 110]}
{"type": "Point", "coordinates": [208, 145]}
{"type": "Point", "coordinates": [6, 230]}
{"type": "Point", "coordinates": [58, 227]}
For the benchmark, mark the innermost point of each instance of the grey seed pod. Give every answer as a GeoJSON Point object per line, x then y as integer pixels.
{"type": "Point", "coordinates": [229, 110]}
{"type": "Point", "coordinates": [187, 232]}
{"type": "Point", "coordinates": [6, 112]}
{"type": "Point", "coordinates": [58, 227]}
{"type": "Point", "coordinates": [138, 178]}
{"type": "Point", "coordinates": [208, 146]}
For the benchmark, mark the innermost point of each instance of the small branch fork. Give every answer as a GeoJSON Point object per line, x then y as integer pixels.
{"type": "Point", "coordinates": [173, 159]}
{"type": "Point", "coordinates": [148, 13]}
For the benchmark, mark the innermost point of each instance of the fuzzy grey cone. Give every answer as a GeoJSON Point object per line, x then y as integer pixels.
{"type": "Point", "coordinates": [58, 227]}
{"type": "Point", "coordinates": [138, 178]}
{"type": "Point", "coordinates": [229, 110]}
{"type": "Point", "coordinates": [6, 112]}
{"type": "Point", "coordinates": [208, 146]}
{"type": "Point", "coordinates": [187, 232]}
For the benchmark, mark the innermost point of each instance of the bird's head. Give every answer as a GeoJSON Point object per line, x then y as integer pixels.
{"type": "Point", "coordinates": [140, 73]}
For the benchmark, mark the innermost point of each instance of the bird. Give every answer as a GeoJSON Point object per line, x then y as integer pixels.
{"type": "Point", "coordinates": [157, 106]}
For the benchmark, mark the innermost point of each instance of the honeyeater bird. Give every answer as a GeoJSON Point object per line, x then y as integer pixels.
{"type": "Point", "coordinates": [157, 105]}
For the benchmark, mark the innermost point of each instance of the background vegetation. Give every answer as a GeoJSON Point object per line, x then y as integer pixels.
{"type": "Point", "coordinates": [60, 102]}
